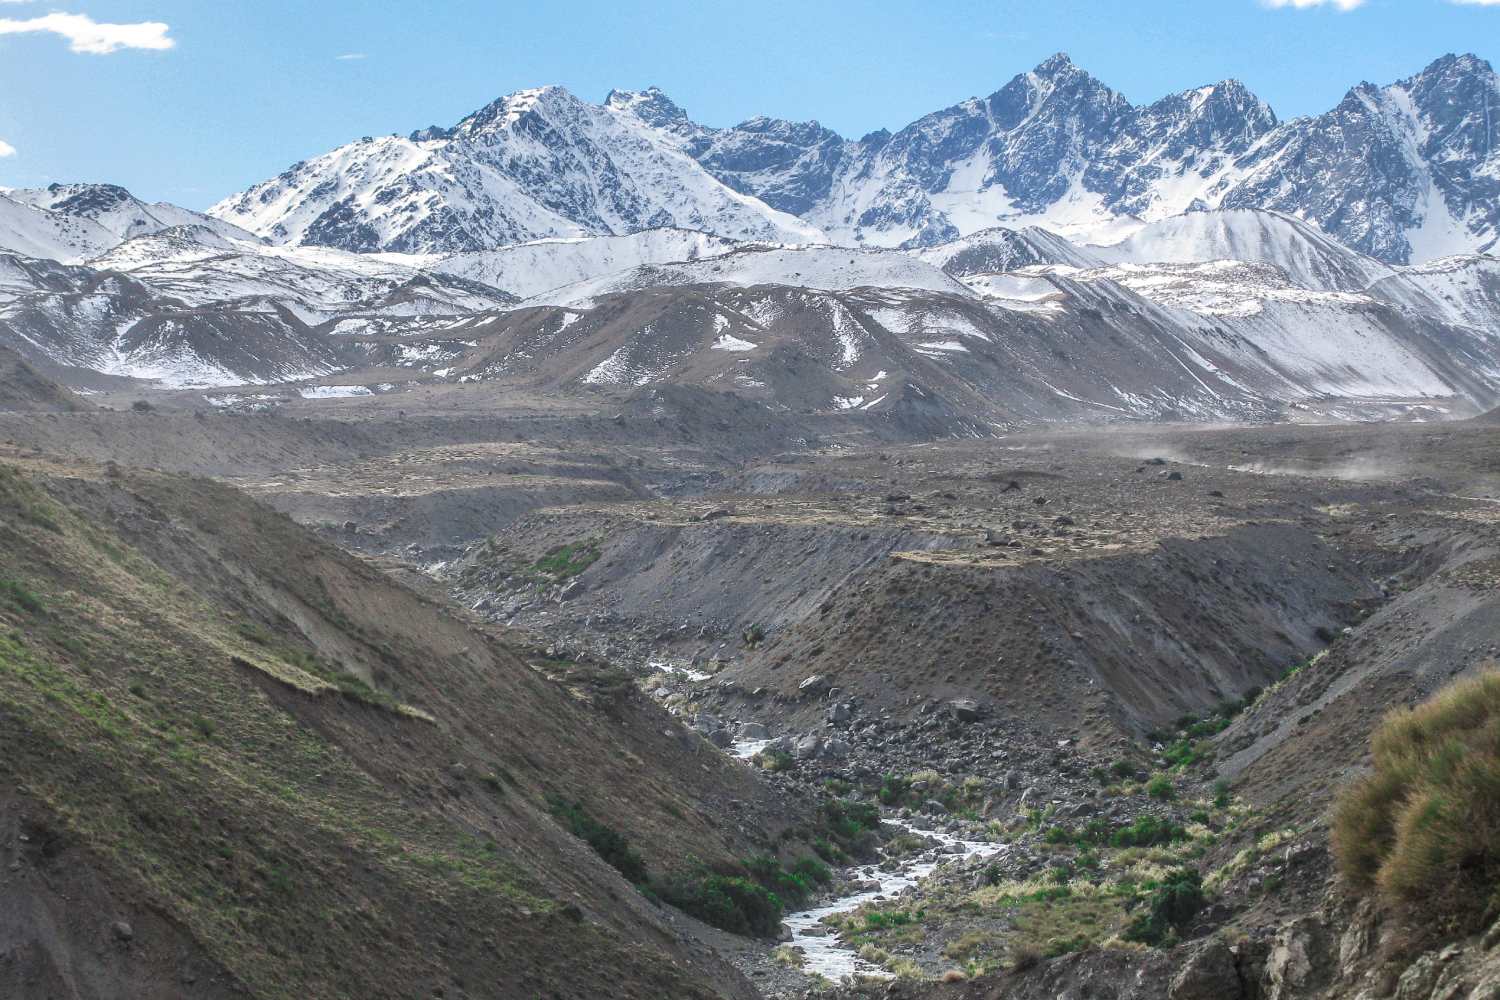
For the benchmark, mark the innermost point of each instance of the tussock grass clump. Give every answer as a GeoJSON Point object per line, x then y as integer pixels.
{"type": "Point", "coordinates": [1423, 828]}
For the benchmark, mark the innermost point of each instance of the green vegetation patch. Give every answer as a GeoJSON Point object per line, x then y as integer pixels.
{"type": "Point", "coordinates": [567, 561]}
{"type": "Point", "coordinates": [747, 899]}
{"type": "Point", "coordinates": [608, 843]}
{"type": "Point", "coordinates": [20, 597]}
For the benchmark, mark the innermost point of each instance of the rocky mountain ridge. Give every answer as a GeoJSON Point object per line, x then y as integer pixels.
{"type": "Point", "coordinates": [1403, 172]}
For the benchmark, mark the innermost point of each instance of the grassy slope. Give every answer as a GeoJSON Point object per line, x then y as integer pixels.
{"type": "Point", "coordinates": [330, 784]}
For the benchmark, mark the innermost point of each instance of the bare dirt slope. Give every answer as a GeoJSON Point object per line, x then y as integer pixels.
{"type": "Point", "coordinates": [290, 776]}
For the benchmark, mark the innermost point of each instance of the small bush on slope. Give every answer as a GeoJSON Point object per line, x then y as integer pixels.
{"type": "Point", "coordinates": [1423, 827]}
{"type": "Point", "coordinates": [1168, 908]}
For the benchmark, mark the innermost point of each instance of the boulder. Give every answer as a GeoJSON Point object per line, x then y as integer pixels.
{"type": "Point", "coordinates": [753, 731]}
{"type": "Point", "coordinates": [1208, 974]}
{"type": "Point", "coordinates": [964, 710]}
{"type": "Point", "coordinates": [814, 685]}
{"type": "Point", "coordinates": [721, 738]}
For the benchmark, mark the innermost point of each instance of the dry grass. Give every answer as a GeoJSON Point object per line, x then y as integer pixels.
{"type": "Point", "coordinates": [1423, 828]}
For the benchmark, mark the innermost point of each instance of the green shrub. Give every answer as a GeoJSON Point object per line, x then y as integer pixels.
{"type": "Point", "coordinates": [893, 790]}
{"type": "Point", "coordinates": [1147, 831]}
{"type": "Point", "coordinates": [1168, 908]}
{"type": "Point", "coordinates": [1160, 787]}
{"type": "Point", "coordinates": [610, 844]}
{"type": "Point", "coordinates": [1208, 727]}
{"type": "Point", "coordinates": [878, 920]}
{"type": "Point", "coordinates": [828, 850]}
{"type": "Point", "coordinates": [729, 902]}
{"type": "Point", "coordinates": [790, 887]}
{"type": "Point", "coordinates": [813, 870]}
{"type": "Point", "coordinates": [1221, 794]}
{"type": "Point", "coordinates": [775, 761]}
{"type": "Point", "coordinates": [21, 597]}
{"type": "Point", "coordinates": [1424, 826]}
{"type": "Point", "coordinates": [1185, 753]}
{"type": "Point", "coordinates": [850, 823]}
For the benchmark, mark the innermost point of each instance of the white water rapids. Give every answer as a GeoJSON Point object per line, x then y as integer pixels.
{"type": "Point", "coordinates": [827, 955]}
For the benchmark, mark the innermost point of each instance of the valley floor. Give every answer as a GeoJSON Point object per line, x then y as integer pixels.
{"type": "Point", "coordinates": [1066, 668]}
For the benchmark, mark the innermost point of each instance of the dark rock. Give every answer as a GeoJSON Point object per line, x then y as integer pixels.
{"type": "Point", "coordinates": [1208, 974]}
{"type": "Point", "coordinates": [807, 748]}
{"type": "Point", "coordinates": [965, 710]}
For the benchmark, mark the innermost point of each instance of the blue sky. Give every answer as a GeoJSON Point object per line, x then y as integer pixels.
{"type": "Point", "coordinates": [190, 100]}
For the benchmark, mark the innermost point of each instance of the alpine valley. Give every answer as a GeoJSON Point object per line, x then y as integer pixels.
{"type": "Point", "coordinates": [578, 552]}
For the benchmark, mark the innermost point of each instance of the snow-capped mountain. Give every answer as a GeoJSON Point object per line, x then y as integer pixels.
{"type": "Point", "coordinates": [1405, 172]}
{"type": "Point", "coordinates": [536, 164]}
{"type": "Point", "coordinates": [39, 233]}
{"type": "Point", "coordinates": [119, 212]}
{"type": "Point", "coordinates": [1408, 172]}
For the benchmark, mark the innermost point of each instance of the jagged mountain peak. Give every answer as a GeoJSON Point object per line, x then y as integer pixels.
{"type": "Point", "coordinates": [505, 112]}
{"type": "Point", "coordinates": [1059, 75]}
{"type": "Point", "coordinates": [651, 106]}
{"type": "Point", "coordinates": [1467, 64]}
{"type": "Point", "coordinates": [1056, 65]}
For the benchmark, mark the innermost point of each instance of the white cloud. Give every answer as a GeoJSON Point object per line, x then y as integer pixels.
{"type": "Point", "coordinates": [351, 56]}
{"type": "Point", "coordinates": [84, 34]}
{"type": "Point", "coordinates": [6, 149]}
{"type": "Point", "coordinates": [1300, 4]}
{"type": "Point", "coordinates": [1477, 3]}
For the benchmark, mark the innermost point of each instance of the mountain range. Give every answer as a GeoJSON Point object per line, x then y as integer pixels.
{"type": "Point", "coordinates": [601, 251]}
{"type": "Point", "coordinates": [1405, 172]}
